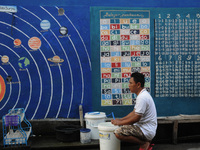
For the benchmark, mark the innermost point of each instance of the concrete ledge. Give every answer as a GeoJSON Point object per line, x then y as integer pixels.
{"type": "Point", "coordinates": [176, 120]}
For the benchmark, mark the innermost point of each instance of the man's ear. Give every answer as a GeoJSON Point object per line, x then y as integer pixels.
{"type": "Point", "coordinates": [139, 84]}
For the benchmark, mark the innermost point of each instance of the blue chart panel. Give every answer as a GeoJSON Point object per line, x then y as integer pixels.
{"type": "Point", "coordinates": [166, 49]}
{"type": "Point", "coordinates": [45, 61]}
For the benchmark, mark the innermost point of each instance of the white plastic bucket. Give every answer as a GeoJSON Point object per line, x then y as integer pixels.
{"type": "Point", "coordinates": [107, 138]}
{"type": "Point", "coordinates": [92, 120]}
{"type": "Point", "coordinates": [85, 136]}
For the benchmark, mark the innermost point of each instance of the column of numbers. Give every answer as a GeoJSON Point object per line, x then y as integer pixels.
{"type": "Point", "coordinates": [126, 60]}
{"type": "Point", "coordinates": [106, 89]}
{"type": "Point", "coordinates": [197, 59]}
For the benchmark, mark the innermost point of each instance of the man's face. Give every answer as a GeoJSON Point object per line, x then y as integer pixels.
{"type": "Point", "coordinates": [133, 86]}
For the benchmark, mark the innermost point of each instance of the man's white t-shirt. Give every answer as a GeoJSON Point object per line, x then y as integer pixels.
{"type": "Point", "coordinates": [145, 106]}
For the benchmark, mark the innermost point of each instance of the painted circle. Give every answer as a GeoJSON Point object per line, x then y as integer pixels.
{"type": "Point", "coordinates": [5, 59]}
{"type": "Point", "coordinates": [63, 30]}
{"type": "Point", "coordinates": [2, 88]}
{"type": "Point", "coordinates": [9, 78]}
{"type": "Point", "coordinates": [17, 42]}
{"type": "Point", "coordinates": [23, 62]}
{"type": "Point", "coordinates": [45, 24]}
{"type": "Point", "coordinates": [34, 43]}
{"type": "Point", "coordinates": [61, 11]}
{"type": "Point", "coordinates": [56, 58]}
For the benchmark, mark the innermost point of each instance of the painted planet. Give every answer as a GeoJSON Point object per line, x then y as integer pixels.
{"type": "Point", "coordinates": [17, 42]}
{"type": "Point", "coordinates": [2, 88]}
{"type": "Point", "coordinates": [5, 59]}
{"type": "Point", "coordinates": [45, 24]}
{"type": "Point", "coordinates": [34, 43]}
{"type": "Point", "coordinates": [61, 11]}
{"type": "Point", "coordinates": [63, 30]}
{"type": "Point", "coordinates": [23, 62]}
{"type": "Point", "coordinates": [56, 59]}
{"type": "Point", "coordinates": [9, 78]}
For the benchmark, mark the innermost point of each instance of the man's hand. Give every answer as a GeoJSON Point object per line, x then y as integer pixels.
{"type": "Point", "coordinates": [116, 121]}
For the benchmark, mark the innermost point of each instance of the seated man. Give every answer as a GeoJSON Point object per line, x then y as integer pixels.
{"type": "Point", "coordinates": [140, 125]}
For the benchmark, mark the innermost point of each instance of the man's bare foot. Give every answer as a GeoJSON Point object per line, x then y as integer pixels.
{"type": "Point", "coordinates": [145, 146]}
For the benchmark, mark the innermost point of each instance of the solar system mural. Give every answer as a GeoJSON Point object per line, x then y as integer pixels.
{"type": "Point", "coordinates": [45, 63]}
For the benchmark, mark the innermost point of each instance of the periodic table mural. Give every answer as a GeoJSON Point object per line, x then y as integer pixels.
{"type": "Point", "coordinates": [161, 43]}
{"type": "Point", "coordinates": [125, 48]}
{"type": "Point", "coordinates": [45, 60]}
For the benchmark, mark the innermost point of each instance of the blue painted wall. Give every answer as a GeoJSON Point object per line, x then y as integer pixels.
{"type": "Point", "coordinates": [46, 89]}
{"type": "Point", "coordinates": [78, 52]}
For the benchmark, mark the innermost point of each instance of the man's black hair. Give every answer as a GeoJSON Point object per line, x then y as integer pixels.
{"type": "Point", "coordinates": [138, 77]}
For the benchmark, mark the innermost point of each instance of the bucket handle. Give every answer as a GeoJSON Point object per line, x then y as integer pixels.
{"type": "Point", "coordinates": [112, 115]}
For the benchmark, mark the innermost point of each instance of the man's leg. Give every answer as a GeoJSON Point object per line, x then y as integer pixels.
{"type": "Point", "coordinates": [143, 144]}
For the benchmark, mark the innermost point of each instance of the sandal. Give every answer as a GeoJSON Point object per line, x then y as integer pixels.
{"type": "Point", "coordinates": [150, 147]}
